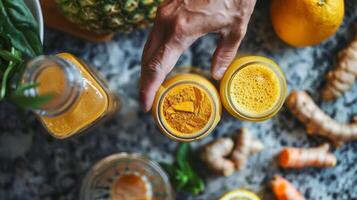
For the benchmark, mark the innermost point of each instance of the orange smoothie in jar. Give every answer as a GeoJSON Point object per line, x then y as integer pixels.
{"type": "Point", "coordinates": [253, 88]}
{"type": "Point", "coordinates": [80, 98]}
{"type": "Point", "coordinates": [92, 102]}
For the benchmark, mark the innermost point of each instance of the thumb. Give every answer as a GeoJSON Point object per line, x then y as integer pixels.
{"type": "Point", "coordinates": [224, 54]}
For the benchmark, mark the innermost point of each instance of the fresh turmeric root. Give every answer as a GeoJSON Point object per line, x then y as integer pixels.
{"type": "Point", "coordinates": [284, 190]}
{"type": "Point", "coordinates": [221, 158]}
{"type": "Point", "coordinates": [214, 155]}
{"type": "Point", "coordinates": [344, 75]}
{"type": "Point", "coordinates": [309, 157]}
{"type": "Point", "coordinates": [246, 145]}
{"type": "Point", "coordinates": [318, 122]}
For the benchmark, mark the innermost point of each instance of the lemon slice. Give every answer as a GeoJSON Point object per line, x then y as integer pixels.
{"type": "Point", "coordinates": [240, 194]}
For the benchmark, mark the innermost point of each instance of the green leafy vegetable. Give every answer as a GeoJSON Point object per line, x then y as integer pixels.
{"type": "Point", "coordinates": [7, 73]}
{"type": "Point", "coordinates": [182, 175]}
{"type": "Point", "coordinates": [33, 102]}
{"type": "Point", "coordinates": [17, 22]}
{"type": "Point", "coordinates": [19, 38]}
{"type": "Point", "coordinates": [182, 155]}
{"type": "Point", "coordinates": [9, 56]}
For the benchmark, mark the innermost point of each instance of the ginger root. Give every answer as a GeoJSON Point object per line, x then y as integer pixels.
{"type": "Point", "coordinates": [307, 157]}
{"type": "Point", "coordinates": [214, 154]}
{"type": "Point", "coordinates": [318, 122]}
{"type": "Point", "coordinates": [246, 145]}
{"type": "Point", "coordinates": [221, 158]}
{"type": "Point", "coordinates": [344, 75]}
{"type": "Point", "coordinates": [284, 190]}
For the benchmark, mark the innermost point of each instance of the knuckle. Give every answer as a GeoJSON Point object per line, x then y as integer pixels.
{"type": "Point", "coordinates": [163, 13]}
{"type": "Point", "coordinates": [154, 67]}
{"type": "Point", "coordinates": [226, 56]}
{"type": "Point", "coordinates": [181, 27]}
{"type": "Point", "coordinates": [165, 49]}
{"type": "Point", "coordinates": [239, 33]}
{"type": "Point", "coordinates": [228, 53]}
{"type": "Point", "coordinates": [180, 30]}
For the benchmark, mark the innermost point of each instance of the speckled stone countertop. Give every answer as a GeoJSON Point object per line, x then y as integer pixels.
{"type": "Point", "coordinates": [35, 166]}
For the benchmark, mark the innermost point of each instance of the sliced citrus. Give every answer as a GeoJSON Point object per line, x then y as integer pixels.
{"type": "Point", "coordinates": [240, 194]}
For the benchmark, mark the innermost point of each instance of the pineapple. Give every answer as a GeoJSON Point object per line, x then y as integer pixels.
{"type": "Point", "coordinates": [110, 15]}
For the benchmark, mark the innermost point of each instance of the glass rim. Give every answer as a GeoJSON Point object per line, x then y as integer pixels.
{"type": "Point", "coordinates": [106, 163]}
{"type": "Point", "coordinates": [204, 131]}
{"type": "Point", "coordinates": [277, 105]}
{"type": "Point", "coordinates": [73, 81]}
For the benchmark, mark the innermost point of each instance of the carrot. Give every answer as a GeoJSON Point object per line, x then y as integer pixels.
{"type": "Point", "coordinates": [307, 157]}
{"type": "Point", "coordinates": [284, 190]}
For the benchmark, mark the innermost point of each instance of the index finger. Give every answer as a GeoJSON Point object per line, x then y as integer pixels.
{"type": "Point", "coordinates": [154, 41]}
{"type": "Point", "coordinates": [154, 72]}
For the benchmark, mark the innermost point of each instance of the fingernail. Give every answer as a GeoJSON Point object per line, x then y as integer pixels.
{"type": "Point", "coordinates": [143, 103]}
{"type": "Point", "coordinates": [146, 108]}
{"type": "Point", "coordinates": [219, 73]}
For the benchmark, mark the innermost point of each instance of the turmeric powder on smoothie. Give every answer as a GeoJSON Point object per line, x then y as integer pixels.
{"type": "Point", "coordinates": [186, 109]}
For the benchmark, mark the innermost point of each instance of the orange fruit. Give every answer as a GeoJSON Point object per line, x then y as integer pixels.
{"type": "Point", "coordinates": [306, 22]}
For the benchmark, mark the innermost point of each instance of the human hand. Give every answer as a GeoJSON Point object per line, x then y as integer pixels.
{"type": "Point", "coordinates": [178, 24]}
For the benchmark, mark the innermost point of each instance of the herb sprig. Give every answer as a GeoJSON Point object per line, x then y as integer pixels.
{"type": "Point", "coordinates": [182, 174]}
{"type": "Point", "coordinates": [19, 40]}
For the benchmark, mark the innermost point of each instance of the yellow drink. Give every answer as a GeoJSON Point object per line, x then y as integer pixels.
{"type": "Point", "coordinates": [253, 88]}
{"type": "Point", "coordinates": [93, 102]}
{"type": "Point", "coordinates": [81, 99]}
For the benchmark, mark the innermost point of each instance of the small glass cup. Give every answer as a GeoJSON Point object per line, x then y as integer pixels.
{"type": "Point", "coordinates": [197, 81]}
{"type": "Point", "coordinates": [226, 84]}
{"type": "Point", "coordinates": [100, 180]}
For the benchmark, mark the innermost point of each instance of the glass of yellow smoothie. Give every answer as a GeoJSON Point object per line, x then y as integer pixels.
{"type": "Point", "coordinates": [253, 88]}
{"type": "Point", "coordinates": [187, 107]}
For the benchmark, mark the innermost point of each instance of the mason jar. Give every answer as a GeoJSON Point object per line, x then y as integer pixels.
{"type": "Point", "coordinates": [80, 98]}
{"type": "Point", "coordinates": [187, 107]}
{"type": "Point", "coordinates": [126, 176]}
{"type": "Point", "coordinates": [253, 88]}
